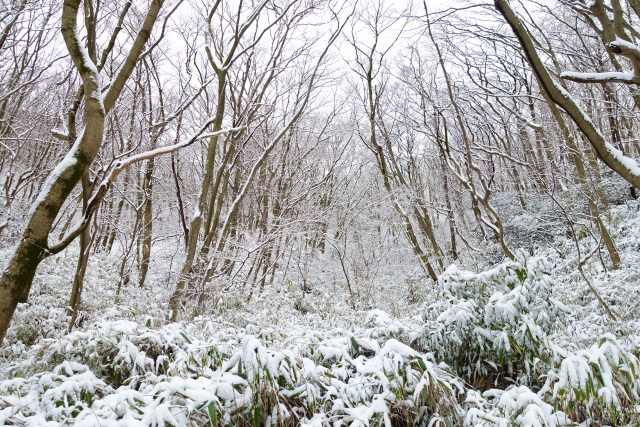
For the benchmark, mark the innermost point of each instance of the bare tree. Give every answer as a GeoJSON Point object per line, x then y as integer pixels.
{"type": "Point", "coordinates": [626, 167]}
{"type": "Point", "coordinates": [34, 244]}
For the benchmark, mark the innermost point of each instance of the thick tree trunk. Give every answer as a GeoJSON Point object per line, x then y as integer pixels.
{"type": "Point", "coordinates": [33, 245]}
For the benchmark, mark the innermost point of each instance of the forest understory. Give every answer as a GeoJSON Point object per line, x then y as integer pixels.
{"type": "Point", "coordinates": [319, 213]}
{"type": "Point", "coordinates": [522, 343]}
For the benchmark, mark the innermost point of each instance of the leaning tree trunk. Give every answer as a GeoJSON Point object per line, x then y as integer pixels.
{"type": "Point", "coordinates": [33, 245]}
{"type": "Point", "coordinates": [624, 166]}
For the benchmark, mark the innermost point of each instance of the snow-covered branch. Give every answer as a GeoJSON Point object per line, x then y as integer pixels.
{"type": "Point", "coordinates": [614, 77]}
{"type": "Point", "coordinates": [624, 48]}
{"type": "Point", "coordinates": [626, 167]}
{"type": "Point", "coordinates": [117, 168]}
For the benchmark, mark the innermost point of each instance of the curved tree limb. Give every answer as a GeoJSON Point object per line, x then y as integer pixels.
{"type": "Point", "coordinates": [626, 167]}
{"type": "Point", "coordinates": [116, 169]}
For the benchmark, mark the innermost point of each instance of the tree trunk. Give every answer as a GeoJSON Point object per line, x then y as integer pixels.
{"type": "Point", "coordinates": [33, 245]}
{"type": "Point", "coordinates": [83, 256]}
{"type": "Point", "coordinates": [147, 222]}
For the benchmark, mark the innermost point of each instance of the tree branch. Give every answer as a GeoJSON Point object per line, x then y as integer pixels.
{"type": "Point", "coordinates": [134, 54]}
{"type": "Point", "coordinates": [116, 169]}
{"type": "Point", "coordinates": [615, 77]}
{"type": "Point", "coordinates": [626, 167]}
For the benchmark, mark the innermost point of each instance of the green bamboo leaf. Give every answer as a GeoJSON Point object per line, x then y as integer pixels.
{"type": "Point", "coordinates": [354, 343]}
{"type": "Point", "coordinates": [186, 338]}
{"type": "Point", "coordinates": [213, 414]}
{"type": "Point", "coordinates": [421, 363]}
{"type": "Point", "coordinates": [515, 345]}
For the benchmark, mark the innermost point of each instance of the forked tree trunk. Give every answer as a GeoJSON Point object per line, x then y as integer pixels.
{"type": "Point", "coordinates": [33, 245]}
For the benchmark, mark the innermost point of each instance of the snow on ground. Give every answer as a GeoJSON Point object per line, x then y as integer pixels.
{"type": "Point", "coordinates": [523, 343]}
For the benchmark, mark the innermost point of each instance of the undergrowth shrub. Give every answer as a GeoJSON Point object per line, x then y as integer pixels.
{"type": "Point", "coordinates": [599, 383]}
{"type": "Point", "coordinates": [494, 329]}
{"type": "Point", "coordinates": [120, 372]}
{"type": "Point", "coordinates": [488, 353]}
{"type": "Point", "coordinates": [491, 328]}
{"type": "Point", "coordinates": [597, 386]}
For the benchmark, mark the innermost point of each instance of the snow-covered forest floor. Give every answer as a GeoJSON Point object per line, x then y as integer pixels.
{"type": "Point", "coordinates": [523, 343]}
